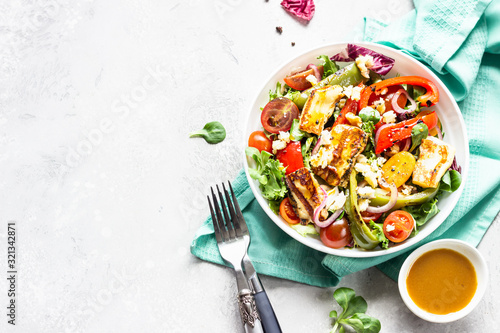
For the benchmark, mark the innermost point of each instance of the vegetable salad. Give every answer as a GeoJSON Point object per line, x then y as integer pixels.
{"type": "Point", "coordinates": [351, 157]}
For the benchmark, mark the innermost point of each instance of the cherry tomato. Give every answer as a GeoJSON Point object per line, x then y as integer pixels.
{"type": "Point", "coordinates": [337, 234]}
{"type": "Point", "coordinates": [259, 140]}
{"type": "Point", "coordinates": [278, 115]}
{"type": "Point", "coordinates": [398, 226]}
{"type": "Point", "coordinates": [298, 80]}
{"type": "Point", "coordinates": [367, 217]}
{"type": "Point", "coordinates": [291, 157]}
{"type": "Point", "coordinates": [287, 212]}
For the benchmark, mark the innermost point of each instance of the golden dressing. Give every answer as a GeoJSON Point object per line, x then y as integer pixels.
{"type": "Point", "coordinates": [441, 281]}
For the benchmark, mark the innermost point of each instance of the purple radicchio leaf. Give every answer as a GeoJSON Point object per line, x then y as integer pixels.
{"type": "Point", "coordinates": [455, 166]}
{"type": "Point", "coordinates": [382, 64]}
{"type": "Point", "coordinates": [303, 9]}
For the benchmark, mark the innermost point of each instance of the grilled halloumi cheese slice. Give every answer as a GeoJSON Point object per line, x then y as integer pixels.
{"type": "Point", "coordinates": [334, 162]}
{"type": "Point", "coordinates": [318, 108]}
{"type": "Point", "coordinates": [305, 193]}
{"type": "Point", "coordinates": [436, 156]}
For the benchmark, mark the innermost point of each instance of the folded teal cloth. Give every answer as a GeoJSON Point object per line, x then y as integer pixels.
{"type": "Point", "coordinates": [460, 42]}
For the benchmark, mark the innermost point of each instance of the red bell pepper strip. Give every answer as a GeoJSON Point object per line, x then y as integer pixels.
{"type": "Point", "coordinates": [430, 98]}
{"type": "Point", "coordinates": [350, 106]}
{"type": "Point", "coordinates": [291, 157]}
{"type": "Point", "coordinates": [394, 133]}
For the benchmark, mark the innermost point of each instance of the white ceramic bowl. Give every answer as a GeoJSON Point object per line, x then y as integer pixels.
{"type": "Point", "coordinates": [461, 247]}
{"type": "Point", "coordinates": [447, 110]}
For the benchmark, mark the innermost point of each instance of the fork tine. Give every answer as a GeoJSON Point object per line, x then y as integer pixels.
{"type": "Point", "coordinates": [234, 217]}
{"type": "Point", "coordinates": [241, 220]}
{"type": "Point", "coordinates": [229, 225]}
{"type": "Point", "coordinates": [214, 222]}
{"type": "Point", "coordinates": [223, 231]}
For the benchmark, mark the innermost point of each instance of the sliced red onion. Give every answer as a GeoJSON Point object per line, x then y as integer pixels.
{"type": "Point", "coordinates": [377, 133]}
{"type": "Point", "coordinates": [389, 205]}
{"type": "Point", "coordinates": [316, 147]}
{"type": "Point", "coordinates": [395, 105]}
{"type": "Point", "coordinates": [315, 70]}
{"type": "Point", "coordinates": [329, 220]}
{"type": "Point", "coordinates": [440, 134]}
{"type": "Point", "coordinates": [407, 144]}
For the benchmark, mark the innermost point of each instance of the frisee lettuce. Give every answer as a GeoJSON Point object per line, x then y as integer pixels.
{"type": "Point", "coordinates": [269, 172]}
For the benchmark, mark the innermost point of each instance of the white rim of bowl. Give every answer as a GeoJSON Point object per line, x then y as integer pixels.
{"type": "Point", "coordinates": [467, 250]}
{"type": "Point", "coordinates": [353, 252]}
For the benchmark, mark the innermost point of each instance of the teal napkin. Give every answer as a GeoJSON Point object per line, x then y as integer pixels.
{"type": "Point", "coordinates": [460, 42]}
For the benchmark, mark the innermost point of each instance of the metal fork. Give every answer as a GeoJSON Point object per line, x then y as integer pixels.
{"type": "Point", "coordinates": [238, 227]}
{"type": "Point", "coordinates": [232, 248]}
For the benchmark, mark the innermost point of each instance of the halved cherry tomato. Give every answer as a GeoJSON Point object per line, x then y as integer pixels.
{"type": "Point", "coordinates": [400, 131]}
{"type": "Point", "coordinates": [291, 157]}
{"type": "Point", "coordinates": [259, 140]}
{"type": "Point", "coordinates": [278, 115]}
{"type": "Point", "coordinates": [298, 80]}
{"type": "Point", "coordinates": [367, 217]}
{"type": "Point", "coordinates": [337, 234]}
{"type": "Point", "coordinates": [398, 226]}
{"type": "Point", "coordinates": [287, 212]}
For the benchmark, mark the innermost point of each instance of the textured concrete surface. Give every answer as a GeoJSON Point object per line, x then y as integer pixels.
{"type": "Point", "coordinates": [97, 99]}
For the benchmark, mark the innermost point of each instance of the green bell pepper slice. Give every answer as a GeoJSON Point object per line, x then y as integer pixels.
{"type": "Point", "coordinates": [403, 200]}
{"type": "Point", "coordinates": [347, 76]}
{"type": "Point", "coordinates": [362, 234]}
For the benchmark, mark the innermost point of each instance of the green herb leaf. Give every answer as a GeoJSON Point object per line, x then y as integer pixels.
{"type": "Point", "coordinates": [306, 150]}
{"type": "Point", "coordinates": [354, 313]}
{"type": "Point", "coordinates": [370, 324]}
{"type": "Point", "coordinates": [270, 174]}
{"type": "Point", "coordinates": [369, 114]}
{"type": "Point", "coordinates": [305, 230]}
{"type": "Point", "coordinates": [329, 66]}
{"type": "Point", "coordinates": [423, 213]}
{"type": "Point", "coordinates": [451, 181]}
{"type": "Point", "coordinates": [354, 323]}
{"type": "Point", "coordinates": [276, 93]}
{"type": "Point", "coordinates": [378, 231]}
{"type": "Point", "coordinates": [419, 132]}
{"type": "Point", "coordinates": [296, 134]}
{"type": "Point", "coordinates": [275, 205]}
{"type": "Point", "coordinates": [213, 132]}
{"type": "Point", "coordinates": [343, 296]}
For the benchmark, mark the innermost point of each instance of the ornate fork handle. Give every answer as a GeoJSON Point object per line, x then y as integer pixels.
{"type": "Point", "coordinates": [248, 308]}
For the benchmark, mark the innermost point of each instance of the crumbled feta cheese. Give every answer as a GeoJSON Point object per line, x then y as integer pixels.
{"type": "Point", "coordinates": [335, 199]}
{"type": "Point", "coordinates": [312, 79]}
{"type": "Point", "coordinates": [361, 159]}
{"type": "Point", "coordinates": [379, 105]}
{"type": "Point", "coordinates": [326, 138]}
{"type": "Point", "coordinates": [322, 158]}
{"type": "Point", "coordinates": [363, 63]}
{"type": "Point", "coordinates": [390, 227]}
{"type": "Point", "coordinates": [370, 170]}
{"type": "Point", "coordinates": [407, 189]}
{"type": "Point", "coordinates": [366, 192]}
{"type": "Point", "coordinates": [363, 204]}
{"type": "Point", "coordinates": [383, 91]}
{"type": "Point", "coordinates": [342, 103]}
{"type": "Point", "coordinates": [353, 120]}
{"type": "Point", "coordinates": [348, 91]}
{"type": "Point", "coordinates": [281, 142]}
{"type": "Point", "coordinates": [356, 93]}
{"type": "Point", "coordinates": [389, 117]}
